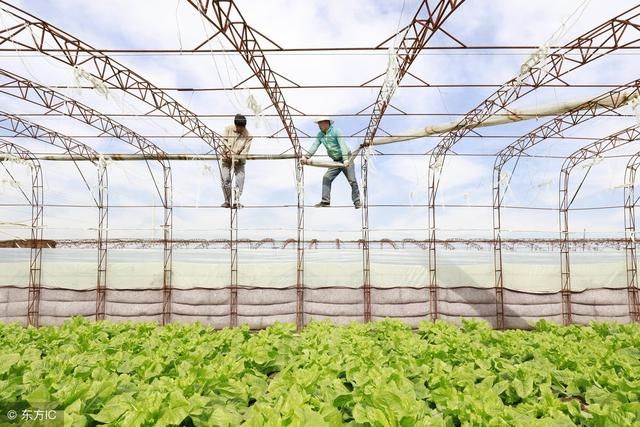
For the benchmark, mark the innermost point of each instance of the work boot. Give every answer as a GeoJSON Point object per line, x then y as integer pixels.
{"type": "Point", "coordinates": [225, 205]}
{"type": "Point", "coordinates": [357, 205]}
{"type": "Point", "coordinates": [321, 205]}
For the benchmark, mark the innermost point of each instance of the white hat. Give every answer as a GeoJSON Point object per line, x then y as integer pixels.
{"type": "Point", "coordinates": [323, 119]}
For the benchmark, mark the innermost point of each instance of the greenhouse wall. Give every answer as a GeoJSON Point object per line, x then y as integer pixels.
{"type": "Point", "coordinates": [333, 287]}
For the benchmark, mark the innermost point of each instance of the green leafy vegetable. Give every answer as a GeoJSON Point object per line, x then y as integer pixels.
{"type": "Point", "coordinates": [377, 374]}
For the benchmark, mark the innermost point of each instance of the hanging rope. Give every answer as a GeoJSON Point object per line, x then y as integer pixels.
{"type": "Point", "coordinates": [541, 53]}
{"type": "Point", "coordinates": [390, 84]}
{"type": "Point", "coordinates": [101, 166]}
{"type": "Point", "coordinates": [13, 183]}
{"type": "Point", "coordinates": [233, 75]}
{"type": "Point", "coordinates": [391, 80]}
{"type": "Point", "coordinates": [97, 84]}
{"type": "Point", "coordinates": [592, 162]}
{"type": "Point", "coordinates": [635, 106]}
{"type": "Point", "coordinates": [256, 108]}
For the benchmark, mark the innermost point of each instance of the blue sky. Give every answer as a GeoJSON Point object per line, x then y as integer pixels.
{"type": "Point", "coordinates": [393, 179]}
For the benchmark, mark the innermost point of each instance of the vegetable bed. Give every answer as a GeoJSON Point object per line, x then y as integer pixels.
{"type": "Point", "coordinates": [378, 374]}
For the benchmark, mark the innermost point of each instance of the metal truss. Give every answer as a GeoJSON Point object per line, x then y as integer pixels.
{"type": "Point", "coordinates": [533, 244]}
{"type": "Point", "coordinates": [606, 103]}
{"type": "Point", "coordinates": [425, 23]}
{"type": "Point", "coordinates": [29, 34]}
{"type": "Point", "coordinates": [586, 153]}
{"type": "Point", "coordinates": [20, 126]}
{"type": "Point", "coordinates": [630, 202]}
{"type": "Point", "coordinates": [226, 18]}
{"type": "Point", "coordinates": [37, 35]}
{"type": "Point", "coordinates": [623, 30]}
{"type": "Point", "coordinates": [18, 87]}
{"type": "Point", "coordinates": [35, 254]}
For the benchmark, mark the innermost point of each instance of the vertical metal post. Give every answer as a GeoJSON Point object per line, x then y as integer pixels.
{"type": "Point", "coordinates": [233, 246]}
{"type": "Point", "coordinates": [103, 226]}
{"type": "Point", "coordinates": [497, 249]}
{"type": "Point", "coordinates": [366, 262]}
{"type": "Point", "coordinates": [630, 236]}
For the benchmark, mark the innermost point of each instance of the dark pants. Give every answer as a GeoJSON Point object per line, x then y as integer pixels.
{"type": "Point", "coordinates": [331, 174]}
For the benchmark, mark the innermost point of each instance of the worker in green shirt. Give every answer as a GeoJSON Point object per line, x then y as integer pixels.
{"type": "Point", "coordinates": [339, 152]}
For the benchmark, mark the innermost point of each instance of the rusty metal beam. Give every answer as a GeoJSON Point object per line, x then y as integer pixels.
{"type": "Point", "coordinates": [588, 152]}
{"type": "Point", "coordinates": [615, 33]}
{"type": "Point", "coordinates": [225, 17]}
{"type": "Point", "coordinates": [606, 103]}
{"type": "Point", "coordinates": [425, 23]}
{"type": "Point", "coordinates": [537, 244]}
{"type": "Point", "coordinates": [21, 88]}
{"type": "Point", "coordinates": [38, 35]}
{"type": "Point", "coordinates": [35, 254]}
{"type": "Point", "coordinates": [630, 202]}
{"type": "Point", "coordinates": [19, 126]}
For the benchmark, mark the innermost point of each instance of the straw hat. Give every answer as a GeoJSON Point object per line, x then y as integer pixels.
{"type": "Point", "coordinates": [323, 119]}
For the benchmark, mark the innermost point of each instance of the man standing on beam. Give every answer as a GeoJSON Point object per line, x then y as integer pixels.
{"type": "Point", "coordinates": [237, 140]}
{"type": "Point", "coordinates": [338, 151]}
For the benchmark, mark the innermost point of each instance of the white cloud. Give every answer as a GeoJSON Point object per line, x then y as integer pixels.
{"type": "Point", "coordinates": [127, 24]}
